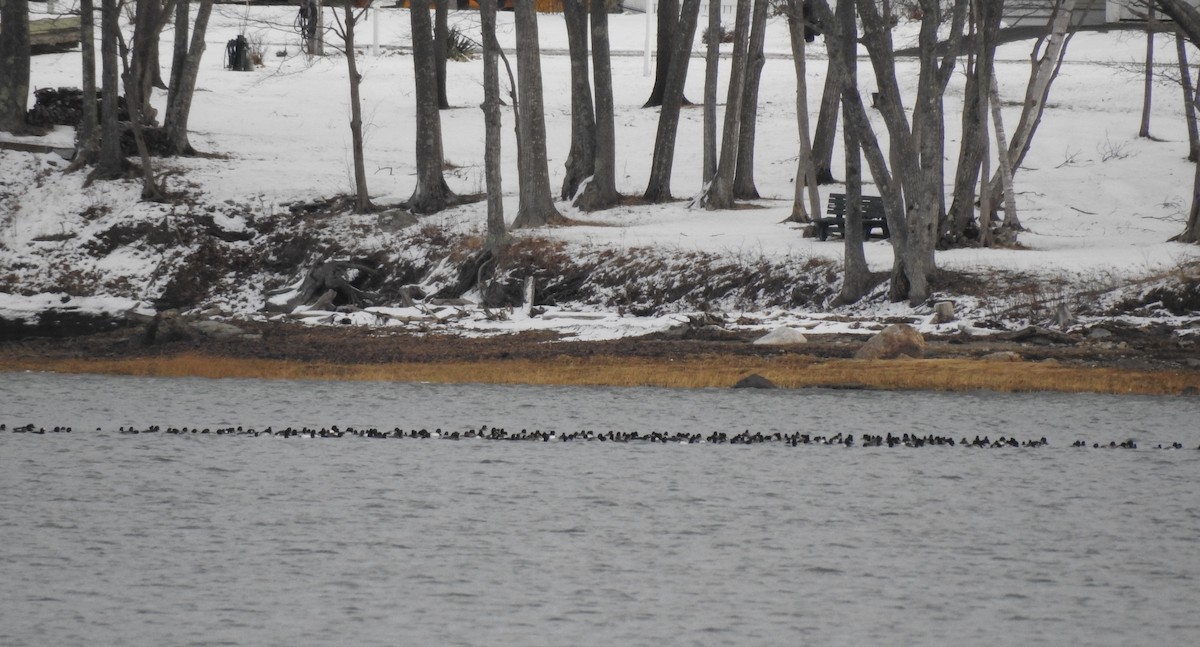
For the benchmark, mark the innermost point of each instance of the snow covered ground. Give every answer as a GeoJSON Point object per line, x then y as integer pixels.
{"type": "Point", "coordinates": [1099, 202]}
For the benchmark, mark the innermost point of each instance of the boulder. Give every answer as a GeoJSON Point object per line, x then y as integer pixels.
{"type": "Point", "coordinates": [395, 219]}
{"type": "Point", "coordinates": [782, 336]}
{"type": "Point", "coordinates": [1001, 356]}
{"type": "Point", "coordinates": [897, 340]}
{"type": "Point", "coordinates": [754, 381]}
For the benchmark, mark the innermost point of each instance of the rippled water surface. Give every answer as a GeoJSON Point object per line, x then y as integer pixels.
{"type": "Point", "coordinates": [112, 539]}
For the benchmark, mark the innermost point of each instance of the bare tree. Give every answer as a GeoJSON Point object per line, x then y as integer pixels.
{"type": "Point", "coordinates": [87, 140]}
{"type": "Point", "coordinates": [912, 187]}
{"type": "Point", "coordinates": [825, 134]}
{"type": "Point", "coordinates": [670, 21]}
{"type": "Point", "coordinates": [1148, 80]}
{"type": "Point", "coordinates": [496, 233]}
{"type": "Point", "coordinates": [658, 189]}
{"type": "Point", "coordinates": [345, 28]}
{"type": "Point", "coordinates": [712, 57]}
{"type": "Point", "coordinates": [133, 77]}
{"type": "Point", "coordinates": [719, 193]}
{"type": "Point", "coordinates": [1046, 58]}
{"type": "Point", "coordinates": [800, 32]}
{"type": "Point", "coordinates": [601, 192]}
{"type": "Point", "coordinates": [110, 163]}
{"type": "Point", "coordinates": [582, 158]}
{"type": "Point", "coordinates": [1187, 21]}
{"type": "Point", "coordinates": [1189, 98]}
{"type": "Point", "coordinates": [150, 17]}
{"type": "Point", "coordinates": [431, 193]}
{"type": "Point", "coordinates": [14, 65]}
{"type": "Point", "coordinates": [536, 208]}
{"type": "Point", "coordinates": [743, 175]}
{"type": "Point", "coordinates": [856, 276]}
{"type": "Point", "coordinates": [985, 24]}
{"type": "Point", "coordinates": [185, 68]}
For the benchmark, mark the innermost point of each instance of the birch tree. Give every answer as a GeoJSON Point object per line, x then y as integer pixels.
{"type": "Point", "coordinates": [1187, 21]}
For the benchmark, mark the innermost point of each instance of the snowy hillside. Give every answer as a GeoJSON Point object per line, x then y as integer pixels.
{"type": "Point", "coordinates": [254, 213]}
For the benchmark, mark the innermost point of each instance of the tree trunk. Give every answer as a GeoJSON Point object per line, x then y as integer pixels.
{"type": "Point", "coordinates": [1045, 70]}
{"type": "Point", "coordinates": [312, 16]}
{"type": "Point", "coordinates": [1148, 82]}
{"type": "Point", "coordinates": [987, 211]}
{"type": "Point", "coordinates": [362, 197]}
{"type": "Point", "coordinates": [601, 192]}
{"type": "Point", "coordinates": [712, 57]}
{"type": "Point", "coordinates": [133, 77]}
{"type": "Point", "coordinates": [14, 65]}
{"type": "Point", "coordinates": [491, 126]}
{"type": "Point", "coordinates": [917, 150]}
{"type": "Point", "coordinates": [806, 177]}
{"type": "Point", "coordinates": [825, 135]}
{"type": "Point", "coordinates": [856, 276]}
{"type": "Point", "coordinates": [668, 25]}
{"type": "Point", "coordinates": [536, 206]}
{"type": "Point", "coordinates": [87, 147]}
{"type": "Point", "coordinates": [441, 44]}
{"type": "Point", "coordinates": [719, 193]}
{"type": "Point", "coordinates": [431, 193]}
{"type": "Point", "coordinates": [183, 83]}
{"type": "Point", "coordinates": [582, 159]}
{"type": "Point", "coordinates": [1191, 232]}
{"type": "Point", "coordinates": [111, 162]}
{"type": "Point", "coordinates": [971, 149]}
{"type": "Point", "coordinates": [1189, 99]}
{"type": "Point", "coordinates": [659, 187]}
{"type": "Point", "coordinates": [1011, 222]}
{"type": "Point", "coordinates": [743, 176]}
{"type": "Point", "coordinates": [149, 20]}
{"type": "Point", "coordinates": [179, 48]}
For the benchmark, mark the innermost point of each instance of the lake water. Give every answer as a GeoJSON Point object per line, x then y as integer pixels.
{"type": "Point", "coordinates": [157, 539]}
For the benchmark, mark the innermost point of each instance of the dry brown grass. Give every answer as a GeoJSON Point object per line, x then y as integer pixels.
{"type": "Point", "coordinates": [792, 371]}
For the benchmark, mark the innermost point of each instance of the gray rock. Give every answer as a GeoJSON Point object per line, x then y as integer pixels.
{"type": "Point", "coordinates": [781, 336]}
{"type": "Point", "coordinates": [395, 219]}
{"type": "Point", "coordinates": [897, 340]}
{"type": "Point", "coordinates": [754, 381]}
{"type": "Point", "coordinates": [1002, 356]}
{"type": "Point", "coordinates": [1099, 333]}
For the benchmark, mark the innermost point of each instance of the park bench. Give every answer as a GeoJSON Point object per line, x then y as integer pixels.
{"type": "Point", "coordinates": [49, 35]}
{"type": "Point", "coordinates": [873, 217]}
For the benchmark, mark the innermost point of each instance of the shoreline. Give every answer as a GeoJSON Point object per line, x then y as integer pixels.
{"type": "Point", "coordinates": [1140, 362]}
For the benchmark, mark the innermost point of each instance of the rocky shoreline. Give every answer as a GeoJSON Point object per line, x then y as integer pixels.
{"type": "Point", "coordinates": [1154, 348]}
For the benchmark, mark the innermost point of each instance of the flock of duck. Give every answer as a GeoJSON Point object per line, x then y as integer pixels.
{"type": "Point", "coordinates": [683, 438]}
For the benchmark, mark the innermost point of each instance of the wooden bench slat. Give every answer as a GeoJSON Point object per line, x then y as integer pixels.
{"type": "Point", "coordinates": [873, 217]}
